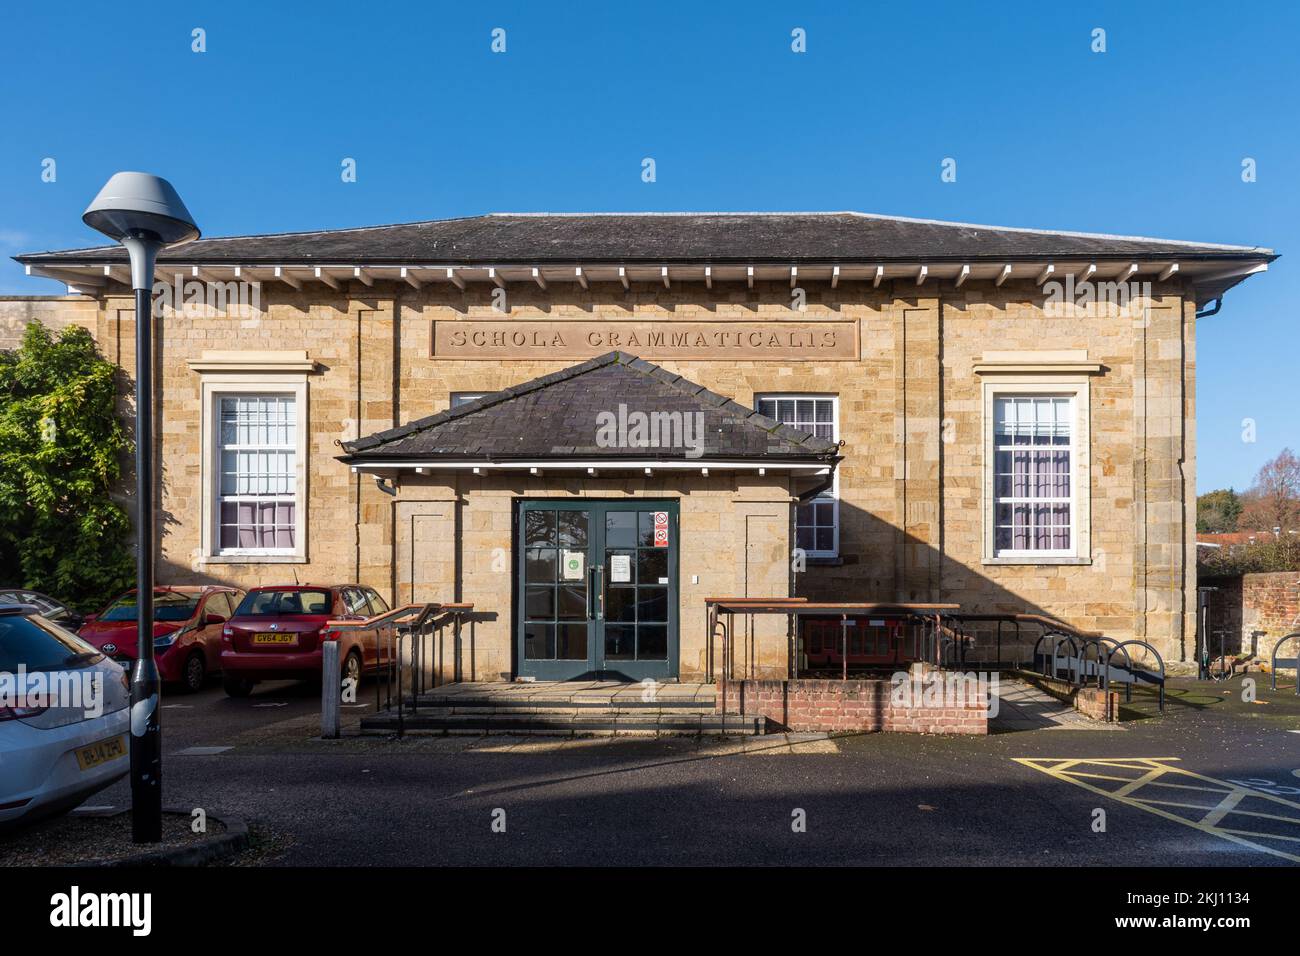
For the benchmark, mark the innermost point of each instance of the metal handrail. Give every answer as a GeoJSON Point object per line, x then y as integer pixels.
{"type": "Point", "coordinates": [1132, 669]}
{"type": "Point", "coordinates": [1294, 661]}
{"type": "Point", "coordinates": [404, 623]}
{"type": "Point", "coordinates": [1103, 675]}
{"type": "Point", "coordinates": [379, 620]}
{"type": "Point", "coordinates": [716, 628]}
{"type": "Point", "coordinates": [1078, 662]}
{"type": "Point", "coordinates": [1074, 651]}
{"type": "Point", "coordinates": [1047, 623]}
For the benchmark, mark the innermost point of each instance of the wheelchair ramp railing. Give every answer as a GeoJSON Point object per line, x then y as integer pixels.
{"type": "Point", "coordinates": [402, 648]}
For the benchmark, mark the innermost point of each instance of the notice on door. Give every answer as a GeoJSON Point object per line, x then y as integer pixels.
{"type": "Point", "coordinates": [661, 529]}
{"type": "Point", "coordinates": [573, 565]}
{"type": "Point", "coordinates": [620, 568]}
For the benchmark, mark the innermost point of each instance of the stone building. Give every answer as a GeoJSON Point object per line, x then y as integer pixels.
{"type": "Point", "coordinates": [587, 424]}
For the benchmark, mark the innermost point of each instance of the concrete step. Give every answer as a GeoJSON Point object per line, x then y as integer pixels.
{"type": "Point", "coordinates": [566, 725]}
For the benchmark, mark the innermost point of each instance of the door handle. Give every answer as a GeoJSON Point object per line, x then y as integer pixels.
{"type": "Point", "coordinates": [591, 588]}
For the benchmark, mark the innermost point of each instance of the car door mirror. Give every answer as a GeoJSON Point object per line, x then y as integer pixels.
{"type": "Point", "coordinates": [214, 619]}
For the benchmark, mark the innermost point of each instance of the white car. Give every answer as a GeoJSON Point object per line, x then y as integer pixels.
{"type": "Point", "coordinates": [64, 717]}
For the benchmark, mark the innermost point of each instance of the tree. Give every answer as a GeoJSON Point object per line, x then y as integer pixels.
{"type": "Point", "coordinates": [1218, 511]}
{"type": "Point", "coordinates": [61, 447]}
{"type": "Point", "coordinates": [1273, 501]}
{"type": "Point", "coordinates": [1262, 555]}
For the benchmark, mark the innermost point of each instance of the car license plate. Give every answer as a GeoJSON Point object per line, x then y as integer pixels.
{"type": "Point", "coordinates": [101, 752]}
{"type": "Point", "coordinates": [281, 639]}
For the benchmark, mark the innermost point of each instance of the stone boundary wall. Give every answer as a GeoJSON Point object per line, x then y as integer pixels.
{"type": "Point", "coordinates": [844, 706]}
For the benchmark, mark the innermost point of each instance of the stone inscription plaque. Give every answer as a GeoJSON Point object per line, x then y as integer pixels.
{"type": "Point", "coordinates": [834, 341]}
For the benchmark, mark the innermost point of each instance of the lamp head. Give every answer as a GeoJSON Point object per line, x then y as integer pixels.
{"type": "Point", "coordinates": [141, 206]}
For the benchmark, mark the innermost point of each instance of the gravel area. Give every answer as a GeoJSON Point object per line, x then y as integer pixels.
{"type": "Point", "coordinates": [70, 840]}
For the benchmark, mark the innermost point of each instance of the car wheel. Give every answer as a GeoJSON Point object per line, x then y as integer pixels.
{"type": "Point", "coordinates": [352, 668]}
{"type": "Point", "coordinates": [195, 674]}
{"type": "Point", "coordinates": [237, 686]}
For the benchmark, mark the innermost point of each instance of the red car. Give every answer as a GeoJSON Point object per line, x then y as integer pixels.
{"type": "Point", "coordinates": [186, 631]}
{"type": "Point", "coordinates": [275, 634]}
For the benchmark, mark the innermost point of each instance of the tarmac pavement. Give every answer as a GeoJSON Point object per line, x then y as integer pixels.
{"type": "Point", "coordinates": [1216, 781]}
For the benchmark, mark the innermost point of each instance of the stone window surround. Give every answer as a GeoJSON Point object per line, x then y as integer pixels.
{"type": "Point", "coordinates": [1065, 373]}
{"type": "Point", "coordinates": [221, 374]}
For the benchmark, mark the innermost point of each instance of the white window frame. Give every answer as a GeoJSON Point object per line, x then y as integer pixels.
{"type": "Point", "coordinates": [1071, 387]}
{"type": "Point", "coordinates": [214, 388]}
{"type": "Point", "coordinates": [833, 493]}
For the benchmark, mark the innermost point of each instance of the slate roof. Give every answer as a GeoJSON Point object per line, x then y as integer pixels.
{"type": "Point", "coordinates": [540, 238]}
{"type": "Point", "coordinates": [555, 416]}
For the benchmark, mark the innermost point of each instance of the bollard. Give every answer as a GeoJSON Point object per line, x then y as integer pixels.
{"type": "Point", "coordinates": [329, 690]}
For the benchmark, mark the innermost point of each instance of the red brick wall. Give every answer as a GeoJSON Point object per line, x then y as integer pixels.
{"type": "Point", "coordinates": [1241, 606]}
{"type": "Point", "coordinates": [840, 705]}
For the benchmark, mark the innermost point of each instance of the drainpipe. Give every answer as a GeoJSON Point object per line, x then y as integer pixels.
{"type": "Point", "coordinates": [1182, 474]}
{"type": "Point", "coordinates": [1182, 480]}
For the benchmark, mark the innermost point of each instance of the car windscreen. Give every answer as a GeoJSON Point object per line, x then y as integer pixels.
{"type": "Point", "coordinates": [167, 606]}
{"type": "Point", "coordinates": [267, 603]}
{"type": "Point", "coordinates": [38, 645]}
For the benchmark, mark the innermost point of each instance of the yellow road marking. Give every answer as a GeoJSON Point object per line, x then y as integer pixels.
{"type": "Point", "coordinates": [1185, 786]}
{"type": "Point", "coordinates": [1268, 816]}
{"type": "Point", "coordinates": [1137, 784]}
{"type": "Point", "coordinates": [1293, 839]}
{"type": "Point", "coordinates": [1186, 806]}
{"type": "Point", "coordinates": [1226, 805]}
{"type": "Point", "coordinates": [1149, 771]}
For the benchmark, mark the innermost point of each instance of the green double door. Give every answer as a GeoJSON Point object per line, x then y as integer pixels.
{"type": "Point", "coordinates": [596, 590]}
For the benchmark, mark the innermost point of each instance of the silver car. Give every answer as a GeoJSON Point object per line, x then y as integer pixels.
{"type": "Point", "coordinates": [64, 717]}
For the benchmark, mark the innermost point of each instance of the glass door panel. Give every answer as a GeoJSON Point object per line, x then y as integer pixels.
{"type": "Point", "coordinates": [556, 624]}
{"type": "Point", "coordinates": [597, 592]}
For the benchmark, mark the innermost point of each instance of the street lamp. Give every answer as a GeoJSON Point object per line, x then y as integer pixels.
{"type": "Point", "coordinates": [145, 215]}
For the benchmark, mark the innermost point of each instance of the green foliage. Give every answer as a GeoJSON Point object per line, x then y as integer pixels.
{"type": "Point", "coordinates": [1266, 554]}
{"type": "Point", "coordinates": [1218, 511]}
{"type": "Point", "coordinates": [61, 447]}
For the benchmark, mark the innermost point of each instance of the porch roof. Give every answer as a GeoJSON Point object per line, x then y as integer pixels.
{"type": "Point", "coordinates": [597, 414]}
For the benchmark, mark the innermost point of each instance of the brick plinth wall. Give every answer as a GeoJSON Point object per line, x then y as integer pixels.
{"type": "Point", "coordinates": [844, 705]}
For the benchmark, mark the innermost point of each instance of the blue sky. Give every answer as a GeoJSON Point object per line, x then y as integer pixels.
{"type": "Point", "coordinates": [1146, 138]}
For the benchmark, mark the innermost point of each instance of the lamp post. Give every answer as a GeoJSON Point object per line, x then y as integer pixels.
{"type": "Point", "coordinates": [145, 215]}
